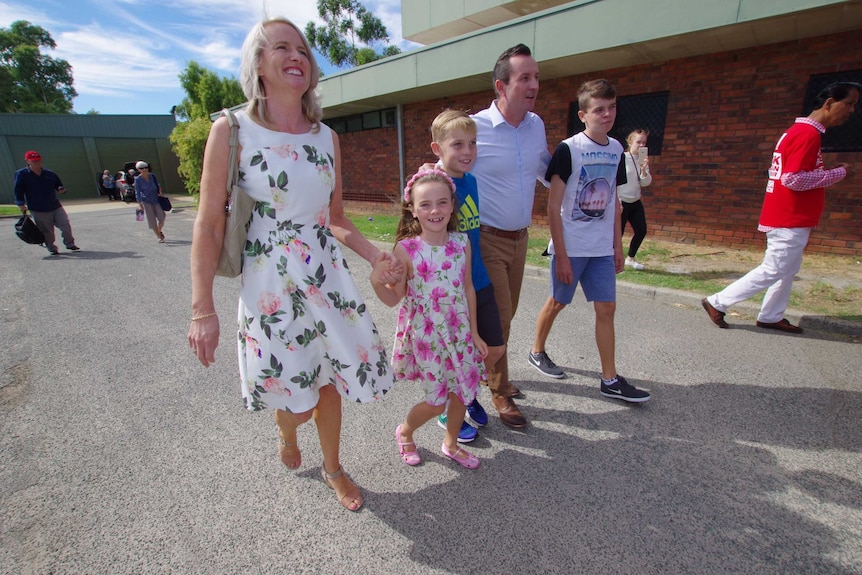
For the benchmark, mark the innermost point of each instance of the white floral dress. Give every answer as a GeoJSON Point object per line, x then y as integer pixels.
{"type": "Point", "coordinates": [302, 322]}
{"type": "Point", "coordinates": [433, 343]}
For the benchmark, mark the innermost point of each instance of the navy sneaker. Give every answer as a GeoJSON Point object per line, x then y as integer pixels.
{"type": "Point", "coordinates": [621, 389]}
{"type": "Point", "coordinates": [467, 434]}
{"type": "Point", "coordinates": [476, 413]}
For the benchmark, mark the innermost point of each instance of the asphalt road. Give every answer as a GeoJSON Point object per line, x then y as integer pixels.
{"type": "Point", "coordinates": [119, 453]}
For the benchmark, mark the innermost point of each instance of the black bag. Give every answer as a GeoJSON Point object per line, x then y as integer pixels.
{"type": "Point", "coordinates": [165, 202]}
{"type": "Point", "coordinates": [27, 230]}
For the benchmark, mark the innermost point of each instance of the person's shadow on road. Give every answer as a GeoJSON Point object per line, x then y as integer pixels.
{"type": "Point", "coordinates": [93, 255]}
{"type": "Point", "coordinates": [701, 480]}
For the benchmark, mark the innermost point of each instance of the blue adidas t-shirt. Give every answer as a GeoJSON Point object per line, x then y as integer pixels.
{"type": "Point", "coordinates": [467, 196]}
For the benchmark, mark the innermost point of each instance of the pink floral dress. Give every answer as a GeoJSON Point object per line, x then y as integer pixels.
{"type": "Point", "coordinates": [433, 343]}
{"type": "Point", "coordinates": [302, 322]}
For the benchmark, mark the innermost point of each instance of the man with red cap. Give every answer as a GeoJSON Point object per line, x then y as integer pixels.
{"type": "Point", "coordinates": [36, 188]}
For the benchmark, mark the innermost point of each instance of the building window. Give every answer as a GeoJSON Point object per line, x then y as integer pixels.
{"type": "Point", "coordinates": [644, 111]}
{"type": "Point", "coordinates": [364, 121]}
{"type": "Point", "coordinates": [844, 138]}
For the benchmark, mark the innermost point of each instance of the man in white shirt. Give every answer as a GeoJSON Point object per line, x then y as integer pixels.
{"type": "Point", "coordinates": [512, 155]}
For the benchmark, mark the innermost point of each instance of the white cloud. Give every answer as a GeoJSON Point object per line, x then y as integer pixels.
{"type": "Point", "coordinates": [104, 64]}
{"type": "Point", "coordinates": [137, 48]}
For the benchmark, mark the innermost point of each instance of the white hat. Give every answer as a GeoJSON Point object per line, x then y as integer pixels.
{"type": "Point", "coordinates": [142, 164]}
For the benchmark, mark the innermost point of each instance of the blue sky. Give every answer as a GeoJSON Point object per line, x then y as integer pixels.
{"type": "Point", "coordinates": [126, 55]}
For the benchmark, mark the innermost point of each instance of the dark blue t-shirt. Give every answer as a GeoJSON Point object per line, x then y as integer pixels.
{"type": "Point", "coordinates": [39, 192]}
{"type": "Point", "coordinates": [467, 196]}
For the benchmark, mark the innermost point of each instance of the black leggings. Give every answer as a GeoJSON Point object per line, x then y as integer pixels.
{"type": "Point", "coordinates": [634, 214]}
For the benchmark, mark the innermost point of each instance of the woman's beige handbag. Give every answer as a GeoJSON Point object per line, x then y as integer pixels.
{"type": "Point", "coordinates": [237, 209]}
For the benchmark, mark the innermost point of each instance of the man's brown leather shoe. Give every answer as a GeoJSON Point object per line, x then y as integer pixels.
{"type": "Point", "coordinates": [509, 413]}
{"type": "Point", "coordinates": [782, 325]}
{"type": "Point", "coordinates": [509, 390]}
{"type": "Point", "coordinates": [716, 316]}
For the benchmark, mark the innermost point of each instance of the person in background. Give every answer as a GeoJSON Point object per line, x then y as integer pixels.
{"type": "Point", "coordinates": [147, 192]}
{"type": "Point", "coordinates": [305, 337]}
{"type": "Point", "coordinates": [795, 197]}
{"type": "Point", "coordinates": [108, 185]}
{"type": "Point", "coordinates": [638, 177]}
{"type": "Point", "coordinates": [36, 189]}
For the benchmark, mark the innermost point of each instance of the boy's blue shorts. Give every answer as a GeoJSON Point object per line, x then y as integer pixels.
{"type": "Point", "coordinates": [596, 275]}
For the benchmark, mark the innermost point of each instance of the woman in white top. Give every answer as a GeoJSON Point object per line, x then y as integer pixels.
{"type": "Point", "coordinates": [638, 176]}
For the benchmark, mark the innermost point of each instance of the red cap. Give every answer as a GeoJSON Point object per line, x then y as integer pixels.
{"type": "Point", "coordinates": [31, 155]}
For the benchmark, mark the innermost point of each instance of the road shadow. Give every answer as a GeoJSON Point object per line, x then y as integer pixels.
{"type": "Point", "coordinates": [701, 480]}
{"type": "Point", "coordinates": [92, 255]}
{"type": "Point", "coordinates": [816, 327]}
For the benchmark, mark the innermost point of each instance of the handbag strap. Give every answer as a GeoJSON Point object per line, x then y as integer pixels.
{"type": "Point", "coordinates": [233, 162]}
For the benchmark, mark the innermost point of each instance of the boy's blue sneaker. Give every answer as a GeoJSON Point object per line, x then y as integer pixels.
{"type": "Point", "coordinates": [467, 434]}
{"type": "Point", "coordinates": [477, 414]}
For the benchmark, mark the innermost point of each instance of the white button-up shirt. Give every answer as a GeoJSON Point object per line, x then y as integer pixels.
{"type": "Point", "coordinates": [509, 161]}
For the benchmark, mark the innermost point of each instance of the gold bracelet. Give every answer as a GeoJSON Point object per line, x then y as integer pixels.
{"type": "Point", "coordinates": [204, 316]}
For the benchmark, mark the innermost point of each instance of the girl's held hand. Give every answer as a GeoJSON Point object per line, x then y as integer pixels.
{"type": "Point", "coordinates": [392, 273]}
{"type": "Point", "coordinates": [203, 339]}
{"type": "Point", "coordinates": [480, 344]}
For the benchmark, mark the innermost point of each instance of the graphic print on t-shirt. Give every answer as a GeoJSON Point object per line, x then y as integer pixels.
{"type": "Point", "coordinates": [594, 190]}
{"type": "Point", "coordinates": [468, 215]}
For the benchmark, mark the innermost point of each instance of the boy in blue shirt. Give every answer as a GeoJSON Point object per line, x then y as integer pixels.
{"type": "Point", "coordinates": [586, 244]}
{"type": "Point", "coordinates": [454, 142]}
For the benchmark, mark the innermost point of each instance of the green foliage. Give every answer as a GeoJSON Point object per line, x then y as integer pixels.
{"type": "Point", "coordinates": [350, 33]}
{"type": "Point", "coordinates": [205, 93]}
{"type": "Point", "coordinates": [189, 140]}
{"type": "Point", "coordinates": [32, 82]}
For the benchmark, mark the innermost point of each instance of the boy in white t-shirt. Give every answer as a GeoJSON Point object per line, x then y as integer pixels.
{"type": "Point", "coordinates": [586, 245]}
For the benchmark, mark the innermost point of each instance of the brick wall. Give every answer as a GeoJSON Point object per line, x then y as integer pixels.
{"type": "Point", "coordinates": [725, 113]}
{"type": "Point", "coordinates": [369, 165]}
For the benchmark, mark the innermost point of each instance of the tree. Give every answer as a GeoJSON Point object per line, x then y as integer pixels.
{"type": "Point", "coordinates": [350, 33]}
{"type": "Point", "coordinates": [205, 93]}
{"type": "Point", "coordinates": [189, 140]}
{"type": "Point", "coordinates": [29, 80]}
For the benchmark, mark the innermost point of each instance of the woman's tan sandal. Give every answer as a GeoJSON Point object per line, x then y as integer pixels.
{"type": "Point", "coordinates": [289, 453]}
{"type": "Point", "coordinates": [352, 499]}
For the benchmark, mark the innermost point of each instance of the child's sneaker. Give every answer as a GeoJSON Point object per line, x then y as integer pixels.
{"type": "Point", "coordinates": [467, 434]}
{"type": "Point", "coordinates": [543, 363]}
{"type": "Point", "coordinates": [635, 265]}
{"type": "Point", "coordinates": [621, 389]}
{"type": "Point", "coordinates": [477, 414]}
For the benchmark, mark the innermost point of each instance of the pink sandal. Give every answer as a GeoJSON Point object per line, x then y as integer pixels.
{"type": "Point", "coordinates": [470, 461]}
{"type": "Point", "coordinates": [410, 457]}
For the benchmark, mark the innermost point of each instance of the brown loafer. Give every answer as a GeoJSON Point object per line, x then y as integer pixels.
{"type": "Point", "coordinates": [782, 325]}
{"type": "Point", "coordinates": [717, 317]}
{"type": "Point", "coordinates": [509, 413]}
{"type": "Point", "coordinates": [510, 391]}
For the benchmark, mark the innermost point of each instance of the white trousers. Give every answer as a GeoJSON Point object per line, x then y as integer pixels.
{"type": "Point", "coordinates": [783, 258]}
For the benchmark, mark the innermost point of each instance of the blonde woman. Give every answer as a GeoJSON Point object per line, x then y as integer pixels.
{"type": "Point", "coordinates": [305, 338]}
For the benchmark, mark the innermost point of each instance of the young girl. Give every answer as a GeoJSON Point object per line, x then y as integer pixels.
{"type": "Point", "coordinates": [638, 176]}
{"type": "Point", "coordinates": [436, 342]}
